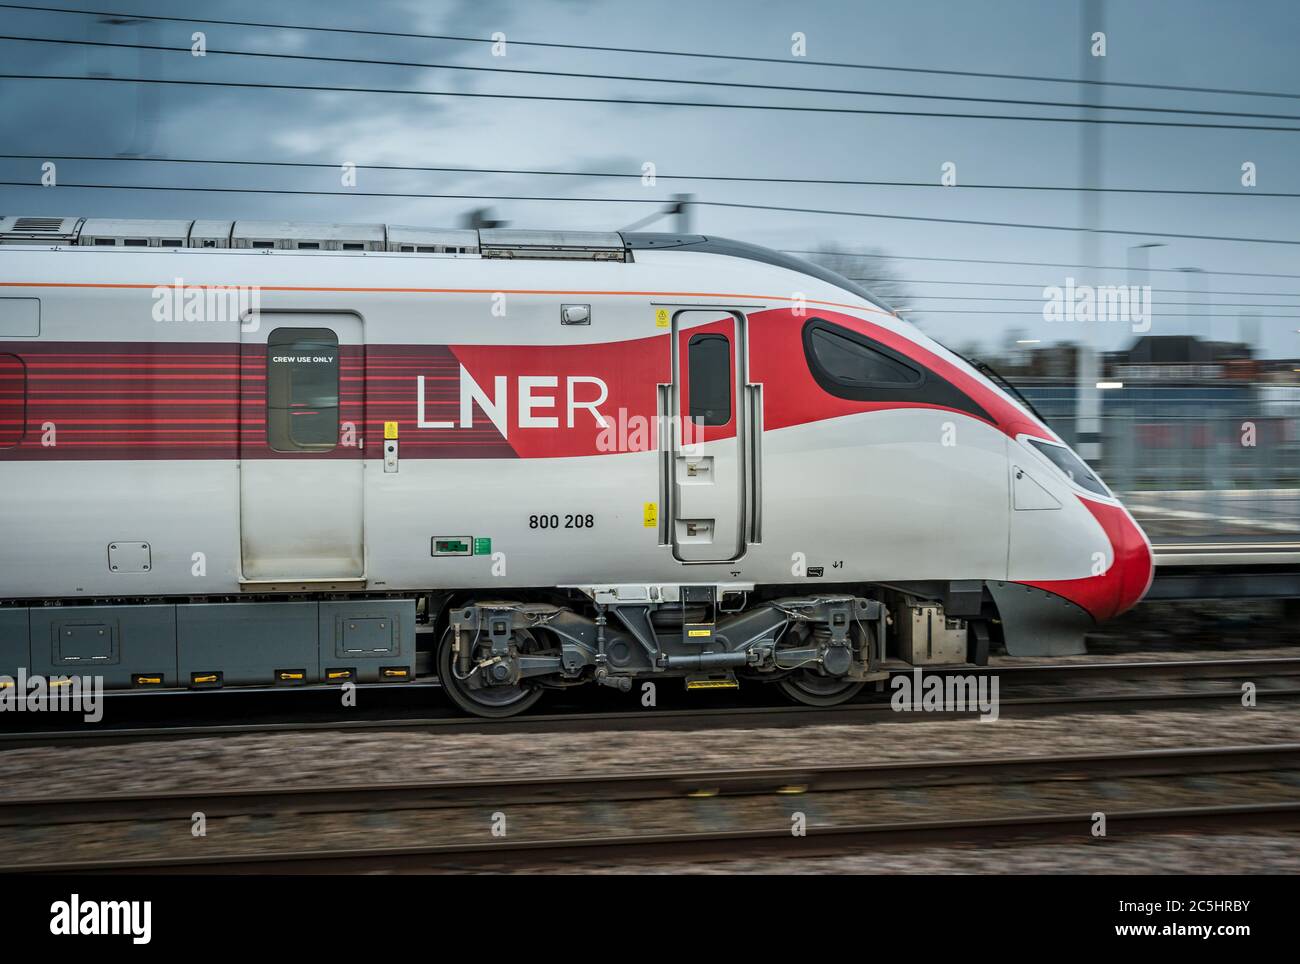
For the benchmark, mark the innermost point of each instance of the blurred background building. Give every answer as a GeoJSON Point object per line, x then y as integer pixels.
{"type": "Point", "coordinates": [1200, 437]}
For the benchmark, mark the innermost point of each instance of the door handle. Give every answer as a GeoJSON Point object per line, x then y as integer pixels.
{"type": "Point", "coordinates": [695, 469]}
{"type": "Point", "coordinates": [695, 531]}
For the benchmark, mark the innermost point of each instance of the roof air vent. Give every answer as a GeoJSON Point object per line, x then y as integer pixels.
{"type": "Point", "coordinates": [33, 225]}
{"type": "Point", "coordinates": [552, 245]}
{"type": "Point", "coordinates": [42, 231]}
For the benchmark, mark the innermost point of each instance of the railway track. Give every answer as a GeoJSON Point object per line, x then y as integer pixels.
{"type": "Point", "coordinates": [708, 814]}
{"type": "Point", "coordinates": [872, 708]}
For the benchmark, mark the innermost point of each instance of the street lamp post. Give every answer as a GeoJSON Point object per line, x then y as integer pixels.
{"type": "Point", "coordinates": [1140, 253]}
{"type": "Point", "coordinates": [1199, 275]}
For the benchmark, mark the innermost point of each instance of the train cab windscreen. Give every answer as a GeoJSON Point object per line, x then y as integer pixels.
{"type": "Point", "coordinates": [1070, 464]}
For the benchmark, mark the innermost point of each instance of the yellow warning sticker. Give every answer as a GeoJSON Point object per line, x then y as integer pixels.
{"type": "Point", "coordinates": [699, 632]}
{"type": "Point", "coordinates": [662, 317]}
{"type": "Point", "coordinates": [390, 430]}
{"type": "Point", "coordinates": [650, 515]}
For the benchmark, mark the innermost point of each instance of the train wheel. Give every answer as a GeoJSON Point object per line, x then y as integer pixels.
{"type": "Point", "coordinates": [814, 689]}
{"type": "Point", "coordinates": [490, 701]}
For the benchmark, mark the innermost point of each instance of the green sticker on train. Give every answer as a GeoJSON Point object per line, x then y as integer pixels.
{"type": "Point", "coordinates": [482, 547]}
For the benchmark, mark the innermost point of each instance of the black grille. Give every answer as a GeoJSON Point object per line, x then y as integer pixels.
{"type": "Point", "coordinates": [35, 225]}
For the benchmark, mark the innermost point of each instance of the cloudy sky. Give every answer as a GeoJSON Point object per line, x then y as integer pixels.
{"type": "Point", "coordinates": [1179, 43]}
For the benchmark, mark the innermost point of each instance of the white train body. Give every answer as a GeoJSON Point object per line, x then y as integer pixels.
{"type": "Point", "coordinates": [508, 412]}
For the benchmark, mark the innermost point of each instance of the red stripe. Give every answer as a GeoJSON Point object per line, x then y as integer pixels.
{"type": "Point", "coordinates": [133, 397]}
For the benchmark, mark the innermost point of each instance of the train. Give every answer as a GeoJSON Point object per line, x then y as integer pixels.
{"type": "Point", "coordinates": [257, 454]}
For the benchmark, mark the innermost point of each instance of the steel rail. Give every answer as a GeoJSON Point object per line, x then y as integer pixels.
{"type": "Point", "coordinates": [879, 710]}
{"type": "Point", "coordinates": [640, 785]}
{"type": "Point", "coordinates": [644, 786]}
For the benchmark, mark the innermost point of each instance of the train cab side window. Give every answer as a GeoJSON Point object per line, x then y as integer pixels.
{"type": "Point", "coordinates": [302, 389]}
{"type": "Point", "coordinates": [13, 400]}
{"type": "Point", "coordinates": [845, 362]}
{"type": "Point", "coordinates": [709, 379]}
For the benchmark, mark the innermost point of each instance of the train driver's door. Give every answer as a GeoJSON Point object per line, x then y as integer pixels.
{"type": "Point", "coordinates": [708, 464]}
{"type": "Point", "coordinates": [301, 472]}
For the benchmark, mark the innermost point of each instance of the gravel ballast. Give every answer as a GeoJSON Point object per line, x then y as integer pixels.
{"type": "Point", "coordinates": [335, 758]}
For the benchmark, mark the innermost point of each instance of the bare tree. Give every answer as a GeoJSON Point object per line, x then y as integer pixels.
{"type": "Point", "coordinates": [870, 267]}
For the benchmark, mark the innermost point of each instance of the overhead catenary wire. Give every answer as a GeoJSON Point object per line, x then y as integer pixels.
{"type": "Point", "coordinates": [999, 224]}
{"type": "Point", "coordinates": [611, 200]}
{"type": "Point", "coordinates": [649, 102]}
{"type": "Point", "coordinates": [1017, 311]}
{"type": "Point", "coordinates": [900, 281]}
{"type": "Point", "coordinates": [646, 51]}
{"type": "Point", "coordinates": [566, 74]}
{"type": "Point", "coordinates": [349, 193]}
{"type": "Point", "coordinates": [1029, 284]}
{"type": "Point", "coordinates": [722, 178]}
{"type": "Point", "coordinates": [826, 252]}
{"type": "Point", "coordinates": [904, 184]}
{"type": "Point", "coordinates": [1167, 304]}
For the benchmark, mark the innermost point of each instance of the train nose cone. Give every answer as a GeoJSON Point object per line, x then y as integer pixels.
{"type": "Point", "coordinates": [1127, 578]}
{"type": "Point", "coordinates": [1134, 564]}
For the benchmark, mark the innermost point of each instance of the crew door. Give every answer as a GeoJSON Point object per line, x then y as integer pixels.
{"type": "Point", "coordinates": [301, 474]}
{"type": "Point", "coordinates": [712, 461]}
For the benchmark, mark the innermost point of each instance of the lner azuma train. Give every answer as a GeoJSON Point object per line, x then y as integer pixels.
{"type": "Point", "coordinates": [268, 453]}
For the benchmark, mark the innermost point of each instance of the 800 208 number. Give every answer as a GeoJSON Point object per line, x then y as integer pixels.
{"type": "Point", "coordinates": [570, 521]}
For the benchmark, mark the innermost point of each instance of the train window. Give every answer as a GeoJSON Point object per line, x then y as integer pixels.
{"type": "Point", "coordinates": [1075, 469]}
{"type": "Point", "coordinates": [13, 400]}
{"type": "Point", "coordinates": [302, 389]}
{"type": "Point", "coordinates": [709, 379]}
{"type": "Point", "coordinates": [843, 359]}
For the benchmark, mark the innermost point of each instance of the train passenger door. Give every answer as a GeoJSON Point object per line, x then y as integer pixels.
{"type": "Point", "coordinates": [710, 464]}
{"type": "Point", "coordinates": [301, 474]}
